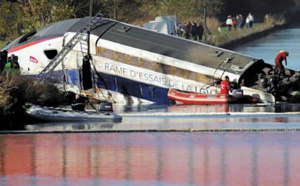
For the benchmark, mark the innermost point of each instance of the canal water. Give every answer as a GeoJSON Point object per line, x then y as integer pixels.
{"type": "Point", "coordinates": [267, 48]}
{"type": "Point", "coordinates": [167, 145]}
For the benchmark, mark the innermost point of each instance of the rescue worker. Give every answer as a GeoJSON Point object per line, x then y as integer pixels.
{"type": "Point", "coordinates": [8, 67]}
{"type": "Point", "coordinates": [225, 86]}
{"type": "Point", "coordinates": [12, 66]}
{"type": "Point", "coordinates": [15, 63]}
{"type": "Point", "coordinates": [78, 104]}
{"type": "Point", "coordinates": [281, 56]}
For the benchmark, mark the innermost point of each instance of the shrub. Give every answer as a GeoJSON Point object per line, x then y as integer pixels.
{"type": "Point", "coordinates": [16, 90]}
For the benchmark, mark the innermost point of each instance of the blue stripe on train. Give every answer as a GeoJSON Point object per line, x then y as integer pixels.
{"type": "Point", "coordinates": [125, 86]}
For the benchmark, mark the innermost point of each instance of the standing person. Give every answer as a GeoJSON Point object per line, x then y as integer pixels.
{"type": "Point", "coordinates": [200, 31]}
{"type": "Point", "coordinates": [185, 31]}
{"type": "Point", "coordinates": [241, 21]}
{"type": "Point", "coordinates": [225, 86]}
{"type": "Point", "coordinates": [15, 62]}
{"type": "Point", "coordinates": [194, 30]}
{"type": "Point", "coordinates": [8, 66]}
{"type": "Point", "coordinates": [12, 66]}
{"type": "Point", "coordinates": [188, 30]}
{"type": "Point", "coordinates": [229, 22]}
{"type": "Point", "coordinates": [234, 22]}
{"type": "Point", "coordinates": [238, 20]}
{"type": "Point", "coordinates": [281, 56]}
{"type": "Point", "coordinates": [179, 30]}
{"type": "Point", "coordinates": [249, 20]}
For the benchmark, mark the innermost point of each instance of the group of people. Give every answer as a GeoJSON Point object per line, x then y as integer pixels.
{"type": "Point", "coordinates": [191, 31]}
{"type": "Point", "coordinates": [9, 65]}
{"type": "Point", "coordinates": [238, 21]}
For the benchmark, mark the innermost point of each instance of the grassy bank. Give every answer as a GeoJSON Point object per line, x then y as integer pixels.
{"type": "Point", "coordinates": [223, 37]}
{"type": "Point", "coordinates": [227, 38]}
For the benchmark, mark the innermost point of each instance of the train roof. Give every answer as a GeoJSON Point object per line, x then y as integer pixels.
{"type": "Point", "coordinates": [138, 37]}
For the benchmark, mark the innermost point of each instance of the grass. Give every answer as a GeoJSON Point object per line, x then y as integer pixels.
{"type": "Point", "coordinates": [219, 38]}
{"type": "Point", "coordinates": [2, 43]}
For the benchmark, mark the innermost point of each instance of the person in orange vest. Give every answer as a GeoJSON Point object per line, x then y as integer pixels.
{"type": "Point", "coordinates": [225, 85]}
{"type": "Point", "coordinates": [281, 56]}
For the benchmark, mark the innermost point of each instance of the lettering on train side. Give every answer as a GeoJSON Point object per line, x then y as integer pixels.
{"type": "Point", "coordinates": [152, 78]}
{"type": "Point", "coordinates": [116, 69]}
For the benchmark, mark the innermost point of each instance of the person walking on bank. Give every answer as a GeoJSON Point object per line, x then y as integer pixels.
{"type": "Point", "coordinates": [281, 56]}
{"type": "Point", "coordinates": [234, 22]}
{"type": "Point", "coordinates": [229, 22]}
{"type": "Point", "coordinates": [250, 20]}
{"type": "Point", "coordinates": [240, 20]}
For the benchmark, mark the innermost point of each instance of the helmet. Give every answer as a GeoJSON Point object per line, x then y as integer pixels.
{"type": "Point", "coordinates": [224, 78]}
{"type": "Point", "coordinates": [287, 53]}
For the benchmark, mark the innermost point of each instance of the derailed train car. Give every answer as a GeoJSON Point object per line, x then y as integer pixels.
{"type": "Point", "coordinates": [130, 64]}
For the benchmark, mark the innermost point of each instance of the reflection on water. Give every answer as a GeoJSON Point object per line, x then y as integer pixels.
{"type": "Point", "coordinates": [221, 108]}
{"type": "Point", "coordinates": [245, 158]}
{"type": "Point", "coordinates": [188, 118]}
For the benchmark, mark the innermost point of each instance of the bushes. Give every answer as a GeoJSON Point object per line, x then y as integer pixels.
{"type": "Point", "coordinates": [17, 90]}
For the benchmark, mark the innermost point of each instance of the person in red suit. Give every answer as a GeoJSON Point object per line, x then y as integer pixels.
{"type": "Point", "coordinates": [281, 56]}
{"type": "Point", "coordinates": [225, 85]}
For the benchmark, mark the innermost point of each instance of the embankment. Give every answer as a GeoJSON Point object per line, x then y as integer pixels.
{"type": "Point", "coordinates": [249, 38]}
{"type": "Point", "coordinates": [291, 17]}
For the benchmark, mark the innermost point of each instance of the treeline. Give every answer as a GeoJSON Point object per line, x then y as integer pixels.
{"type": "Point", "coordinates": [20, 16]}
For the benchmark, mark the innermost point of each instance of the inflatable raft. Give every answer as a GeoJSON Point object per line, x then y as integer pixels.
{"type": "Point", "coordinates": [194, 98]}
{"type": "Point", "coordinates": [52, 114]}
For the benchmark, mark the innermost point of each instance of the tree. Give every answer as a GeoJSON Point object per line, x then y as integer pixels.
{"type": "Point", "coordinates": [24, 15]}
{"type": "Point", "coordinates": [8, 24]}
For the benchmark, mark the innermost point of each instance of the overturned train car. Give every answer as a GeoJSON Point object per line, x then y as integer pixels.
{"type": "Point", "coordinates": [131, 64]}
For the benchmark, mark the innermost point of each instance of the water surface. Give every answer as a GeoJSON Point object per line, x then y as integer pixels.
{"type": "Point", "coordinates": [211, 145]}
{"type": "Point", "coordinates": [179, 158]}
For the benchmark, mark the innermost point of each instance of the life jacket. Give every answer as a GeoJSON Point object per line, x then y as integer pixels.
{"type": "Point", "coordinates": [8, 67]}
{"type": "Point", "coordinates": [225, 87]}
{"type": "Point", "coordinates": [234, 22]}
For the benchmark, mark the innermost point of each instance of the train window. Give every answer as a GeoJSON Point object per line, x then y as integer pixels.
{"type": "Point", "coordinates": [27, 36]}
{"type": "Point", "coordinates": [50, 53]}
